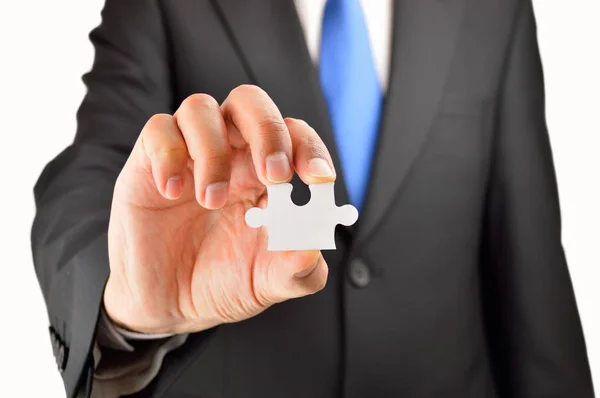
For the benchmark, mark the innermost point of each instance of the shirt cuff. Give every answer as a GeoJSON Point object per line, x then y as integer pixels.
{"type": "Point", "coordinates": [115, 337]}
{"type": "Point", "coordinates": [119, 373]}
{"type": "Point", "coordinates": [125, 362]}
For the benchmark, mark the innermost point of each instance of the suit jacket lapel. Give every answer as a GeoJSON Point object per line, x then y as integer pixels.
{"type": "Point", "coordinates": [271, 42]}
{"type": "Point", "coordinates": [424, 34]}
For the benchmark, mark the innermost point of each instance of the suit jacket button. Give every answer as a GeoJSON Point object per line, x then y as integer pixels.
{"type": "Point", "coordinates": [358, 273]}
{"type": "Point", "coordinates": [53, 342]}
{"type": "Point", "coordinates": [60, 358]}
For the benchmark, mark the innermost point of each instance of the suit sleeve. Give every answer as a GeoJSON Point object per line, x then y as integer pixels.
{"type": "Point", "coordinates": [128, 83]}
{"type": "Point", "coordinates": [534, 328]}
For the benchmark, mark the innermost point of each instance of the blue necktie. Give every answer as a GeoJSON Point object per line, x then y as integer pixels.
{"type": "Point", "coordinates": [352, 92]}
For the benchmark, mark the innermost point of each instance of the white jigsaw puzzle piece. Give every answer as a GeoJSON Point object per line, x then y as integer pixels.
{"type": "Point", "coordinates": [308, 227]}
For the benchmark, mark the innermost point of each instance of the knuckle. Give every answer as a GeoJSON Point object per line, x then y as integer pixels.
{"type": "Point", "coordinates": [245, 90]}
{"type": "Point", "coordinates": [219, 160]}
{"type": "Point", "coordinates": [156, 139]}
{"type": "Point", "coordinates": [315, 146]}
{"type": "Point", "coordinates": [311, 141]}
{"type": "Point", "coordinates": [307, 138]}
{"type": "Point", "coordinates": [164, 154]}
{"type": "Point", "coordinates": [217, 164]}
{"type": "Point", "coordinates": [157, 123]}
{"type": "Point", "coordinates": [271, 126]}
{"type": "Point", "coordinates": [199, 101]}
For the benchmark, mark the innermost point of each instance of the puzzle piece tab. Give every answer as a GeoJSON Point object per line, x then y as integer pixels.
{"type": "Point", "coordinates": [308, 227]}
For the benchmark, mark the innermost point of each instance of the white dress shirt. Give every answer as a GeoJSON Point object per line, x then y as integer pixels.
{"type": "Point", "coordinates": [120, 367]}
{"type": "Point", "coordinates": [378, 17]}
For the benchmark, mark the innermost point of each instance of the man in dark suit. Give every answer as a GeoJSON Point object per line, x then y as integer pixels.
{"type": "Point", "coordinates": [453, 283]}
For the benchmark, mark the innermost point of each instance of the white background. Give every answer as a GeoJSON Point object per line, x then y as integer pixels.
{"type": "Point", "coordinates": [43, 52]}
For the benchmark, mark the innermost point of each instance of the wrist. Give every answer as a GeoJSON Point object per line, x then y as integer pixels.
{"type": "Point", "coordinates": [137, 322]}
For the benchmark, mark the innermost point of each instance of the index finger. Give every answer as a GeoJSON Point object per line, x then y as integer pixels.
{"type": "Point", "coordinates": [251, 112]}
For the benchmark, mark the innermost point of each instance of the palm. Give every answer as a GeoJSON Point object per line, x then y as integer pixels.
{"type": "Point", "coordinates": [187, 245]}
{"type": "Point", "coordinates": [177, 266]}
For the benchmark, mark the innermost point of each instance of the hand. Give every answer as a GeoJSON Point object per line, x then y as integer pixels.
{"type": "Point", "coordinates": [182, 258]}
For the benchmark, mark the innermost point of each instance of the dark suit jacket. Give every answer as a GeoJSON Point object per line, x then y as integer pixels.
{"type": "Point", "coordinates": [452, 284]}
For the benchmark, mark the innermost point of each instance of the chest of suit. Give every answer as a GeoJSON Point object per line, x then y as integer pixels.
{"type": "Point", "coordinates": [410, 263]}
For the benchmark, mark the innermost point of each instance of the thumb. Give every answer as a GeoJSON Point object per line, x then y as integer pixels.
{"type": "Point", "coordinates": [287, 275]}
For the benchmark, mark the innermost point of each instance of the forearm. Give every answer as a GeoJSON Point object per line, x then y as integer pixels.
{"type": "Point", "coordinates": [69, 246]}
{"type": "Point", "coordinates": [129, 82]}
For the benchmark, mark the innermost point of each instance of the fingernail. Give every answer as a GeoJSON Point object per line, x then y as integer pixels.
{"type": "Point", "coordinates": [278, 167]}
{"type": "Point", "coordinates": [215, 195]}
{"type": "Point", "coordinates": [174, 187]}
{"type": "Point", "coordinates": [318, 167]}
{"type": "Point", "coordinates": [306, 272]}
